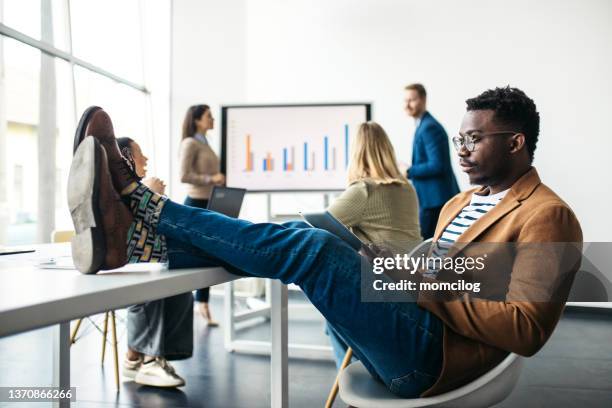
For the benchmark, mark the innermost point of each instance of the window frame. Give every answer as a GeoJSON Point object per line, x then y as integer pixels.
{"type": "Point", "coordinates": [46, 213]}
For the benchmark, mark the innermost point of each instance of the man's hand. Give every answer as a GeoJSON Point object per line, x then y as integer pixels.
{"type": "Point", "coordinates": [403, 167]}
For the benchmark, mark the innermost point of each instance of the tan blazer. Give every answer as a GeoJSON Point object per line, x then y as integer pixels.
{"type": "Point", "coordinates": [479, 334]}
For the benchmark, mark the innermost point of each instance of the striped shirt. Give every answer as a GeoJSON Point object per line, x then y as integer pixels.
{"type": "Point", "coordinates": [479, 205]}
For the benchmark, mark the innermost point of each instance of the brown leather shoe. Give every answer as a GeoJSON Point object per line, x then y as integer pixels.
{"type": "Point", "coordinates": [95, 122]}
{"type": "Point", "coordinates": [100, 218]}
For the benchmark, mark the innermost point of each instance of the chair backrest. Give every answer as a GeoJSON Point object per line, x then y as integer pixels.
{"type": "Point", "coordinates": [590, 286]}
{"type": "Point", "coordinates": [61, 236]}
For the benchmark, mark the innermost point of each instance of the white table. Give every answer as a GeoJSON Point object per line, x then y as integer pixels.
{"type": "Point", "coordinates": [32, 297]}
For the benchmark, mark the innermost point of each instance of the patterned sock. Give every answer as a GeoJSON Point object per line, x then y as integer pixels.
{"type": "Point", "coordinates": [144, 244]}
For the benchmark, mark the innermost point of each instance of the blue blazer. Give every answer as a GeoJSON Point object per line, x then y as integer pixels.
{"type": "Point", "coordinates": [431, 172]}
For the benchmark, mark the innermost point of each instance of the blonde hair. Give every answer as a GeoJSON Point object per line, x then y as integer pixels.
{"type": "Point", "coordinates": [373, 157]}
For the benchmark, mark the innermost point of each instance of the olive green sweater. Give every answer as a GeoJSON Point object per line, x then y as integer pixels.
{"type": "Point", "coordinates": [382, 214]}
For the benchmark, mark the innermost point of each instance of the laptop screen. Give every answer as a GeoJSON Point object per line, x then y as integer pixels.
{"type": "Point", "coordinates": [226, 200]}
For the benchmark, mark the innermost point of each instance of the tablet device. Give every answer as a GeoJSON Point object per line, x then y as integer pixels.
{"type": "Point", "coordinates": [15, 250]}
{"type": "Point", "coordinates": [325, 220]}
{"type": "Point", "coordinates": [226, 200]}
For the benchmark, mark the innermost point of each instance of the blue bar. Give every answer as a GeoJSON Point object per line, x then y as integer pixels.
{"type": "Point", "coordinates": [325, 155]}
{"type": "Point", "coordinates": [305, 156]}
{"type": "Point", "coordinates": [264, 165]}
{"type": "Point", "coordinates": [285, 158]}
{"type": "Point", "coordinates": [346, 146]}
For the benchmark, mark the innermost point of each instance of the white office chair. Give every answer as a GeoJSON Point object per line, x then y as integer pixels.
{"type": "Point", "coordinates": [360, 390]}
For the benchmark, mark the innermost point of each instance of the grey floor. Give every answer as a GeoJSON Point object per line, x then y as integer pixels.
{"type": "Point", "coordinates": [573, 370]}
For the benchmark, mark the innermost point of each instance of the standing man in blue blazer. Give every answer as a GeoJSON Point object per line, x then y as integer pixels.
{"type": "Point", "coordinates": [431, 172]}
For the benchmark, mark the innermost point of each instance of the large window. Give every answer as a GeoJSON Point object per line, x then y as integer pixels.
{"type": "Point", "coordinates": [56, 58]}
{"type": "Point", "coordinates": [20, 103]}
{"type": "Point", "coordinates": [108, 34]}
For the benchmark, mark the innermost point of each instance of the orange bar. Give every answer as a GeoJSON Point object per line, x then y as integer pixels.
{"type": "Point", "coordinates": [249, 165]}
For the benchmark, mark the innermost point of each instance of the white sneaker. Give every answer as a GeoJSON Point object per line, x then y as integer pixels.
{"type": "Point", "coordinates": [131, 367]}
{"type": "Point", "coordinates": [158, 373]}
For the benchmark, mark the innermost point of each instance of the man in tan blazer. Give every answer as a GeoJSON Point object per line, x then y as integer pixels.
{"type": "Point", "coordinates": [447, 339]}
{"type": "Point", "coordinates": [532, 232]}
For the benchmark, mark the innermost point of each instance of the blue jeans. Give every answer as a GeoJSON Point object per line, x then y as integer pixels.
{"type": "Point", "coordinates": [399, 343]}
{"type": "Point", "coordinates": [338, 345]}
{"type": "Point", "coordinates": [201, 295]}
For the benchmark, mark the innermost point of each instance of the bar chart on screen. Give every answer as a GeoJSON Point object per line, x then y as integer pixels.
{"type": "Point", "coordinates": [289, 147]}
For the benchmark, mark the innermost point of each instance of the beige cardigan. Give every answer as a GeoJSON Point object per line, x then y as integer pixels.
{"type": "Point", "coordinates": [382, 214]}
{"type": "Point", "coordinates": [198, 163]}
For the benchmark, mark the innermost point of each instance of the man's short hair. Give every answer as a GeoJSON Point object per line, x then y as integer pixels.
{"type": "Point", "coordinates": [513, 109]}
{"type": "Point", "coordinates": [419, 88]}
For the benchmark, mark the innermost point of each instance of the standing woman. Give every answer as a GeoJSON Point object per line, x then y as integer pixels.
{"type": "Point", "coordinates": [200, 169]}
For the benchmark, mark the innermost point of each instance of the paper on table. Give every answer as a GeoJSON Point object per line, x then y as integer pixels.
{"type": "Point", "coordinates": [65, 262]}
{"type": "Point", "coordinates": [140, 267]}
{"type": "Point", "coordinates": [60, 262]}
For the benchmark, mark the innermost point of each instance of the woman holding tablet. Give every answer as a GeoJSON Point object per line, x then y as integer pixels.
{"type": "Point", "coordinates": [200, 169]}
{"type": "Point", "coordinates": [379, 205]}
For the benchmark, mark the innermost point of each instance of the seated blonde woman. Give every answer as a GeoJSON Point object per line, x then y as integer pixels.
{"type": "Point", "coordinates": [379, 205]}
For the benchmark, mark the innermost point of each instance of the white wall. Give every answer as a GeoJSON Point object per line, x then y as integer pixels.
{"type": "Point", "coordinates": [156, 26]}
{"type": "Point", "coordinates": [558, 52]}
{"type": "Point", "coordinates": [208, 64]}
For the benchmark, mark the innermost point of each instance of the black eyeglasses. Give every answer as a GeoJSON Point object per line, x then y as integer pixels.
{"type": "Point", "coordinates": [469, 141]}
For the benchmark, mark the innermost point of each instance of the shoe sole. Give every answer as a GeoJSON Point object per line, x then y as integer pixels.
{"type": "Point", "coordinates": [129, 373]}
{"type": "Point", "coordinates": [79, 135]}
{"type": "Point", "coordinates": [88, 244]}
{"type": "Point", "coordinates": [153, 381]}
